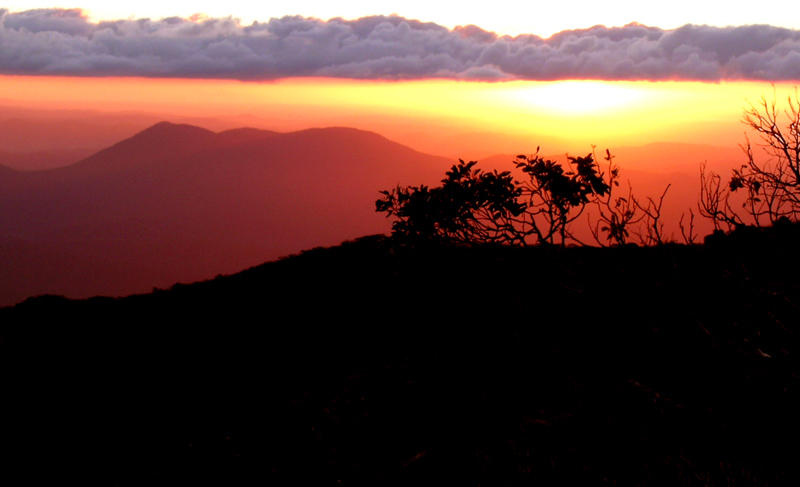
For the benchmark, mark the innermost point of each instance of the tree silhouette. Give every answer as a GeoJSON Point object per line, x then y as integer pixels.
{"type": "Point", "coordinates": [762, 191]}
{"type": "Point", "coordinates": [477, 207]}
{"type": "Point", "coordinates": [555, 196]}
{"type": "Point", "coordinates": [471, 206]}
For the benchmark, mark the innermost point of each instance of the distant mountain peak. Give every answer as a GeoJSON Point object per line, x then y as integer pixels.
{"type": "Point", "coordinates": [163, 140]}
{"type": "Point", "coordinates": [341, 131]}
{"type": "Point", "coordinates": [174, 129]}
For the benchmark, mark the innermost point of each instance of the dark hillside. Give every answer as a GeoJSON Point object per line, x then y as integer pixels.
{"type": "Point", "coordinates": [366, 365]}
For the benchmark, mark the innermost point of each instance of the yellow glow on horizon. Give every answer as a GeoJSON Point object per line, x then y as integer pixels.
{"type": "Point", "coordinates": [591, 112]}
{"type": "Point", "coordinates": [579, 96]}
{"type": "Point", "coordinates": [633, 112]}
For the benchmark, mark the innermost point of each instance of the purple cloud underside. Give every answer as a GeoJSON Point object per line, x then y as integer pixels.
{"type": "Point", "coordinates": [64, 42]}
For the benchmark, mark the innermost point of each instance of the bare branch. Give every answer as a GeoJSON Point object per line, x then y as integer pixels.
{"type": "Point", "coordinates": [652, 213]}
{"type": "Point", "coordinates": [688, 234]}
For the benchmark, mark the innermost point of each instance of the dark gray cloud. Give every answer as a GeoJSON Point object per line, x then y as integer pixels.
{"type": "Point", "coordinates": [64, 42]}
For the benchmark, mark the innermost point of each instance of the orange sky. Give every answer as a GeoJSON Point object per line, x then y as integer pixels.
{"type": "Point", "coordinates": [458, 119]}
{"type": "Point", "coordinates": [424, 85]}
{"type": "Point", "coordinates": [578, 112]}
{"type": "Point", "coordinates": [415, 83]}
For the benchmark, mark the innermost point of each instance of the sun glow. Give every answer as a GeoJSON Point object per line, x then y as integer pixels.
{"type": "Point", "coordinates": [579, 96]}
{"type": "Point", "coordinates": [589, 112]}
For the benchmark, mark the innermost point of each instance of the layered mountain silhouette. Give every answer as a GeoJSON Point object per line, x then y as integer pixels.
{"type": "Point", "coordinates": [178, 203]}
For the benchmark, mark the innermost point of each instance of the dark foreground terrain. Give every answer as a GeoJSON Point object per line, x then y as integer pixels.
{"type": "Point", "coordinates": [367, 365]}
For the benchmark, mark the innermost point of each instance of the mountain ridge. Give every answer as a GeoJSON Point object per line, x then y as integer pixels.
{"type": "Point", "coordinates": [201, 203]}
{"type": "Point", "coordinates": [196, 202]}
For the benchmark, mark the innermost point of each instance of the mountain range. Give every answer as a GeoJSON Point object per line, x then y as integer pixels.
{"type": "Point", "coordinates": [181, 203]}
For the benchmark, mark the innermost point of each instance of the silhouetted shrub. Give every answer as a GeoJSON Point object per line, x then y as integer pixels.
{"type": "Point", "coordinates": [473, 206]}
{"type": "Point", "coordinates": [557, 196]}
{"type": "Point", "coordinates": [761, 191]}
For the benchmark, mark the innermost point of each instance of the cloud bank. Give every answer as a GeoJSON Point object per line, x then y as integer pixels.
{"type": "Point", "coordinates": [65, 42]}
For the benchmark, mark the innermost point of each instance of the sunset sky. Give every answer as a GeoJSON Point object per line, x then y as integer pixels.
{"type": "Point", "coordinates": [458, 80]}
{"type": "Point", "coordinates": [607, 73]}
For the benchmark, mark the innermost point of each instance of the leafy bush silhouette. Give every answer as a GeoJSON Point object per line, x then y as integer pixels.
{"type": "Point", "coordinates": [761, 191]}
{"type": "Point", "coordinates": [471, 206]}
{"type": "Point", "coordinates": [555, 197]}
{"type": "Point", "coordinates": [477, 207]}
